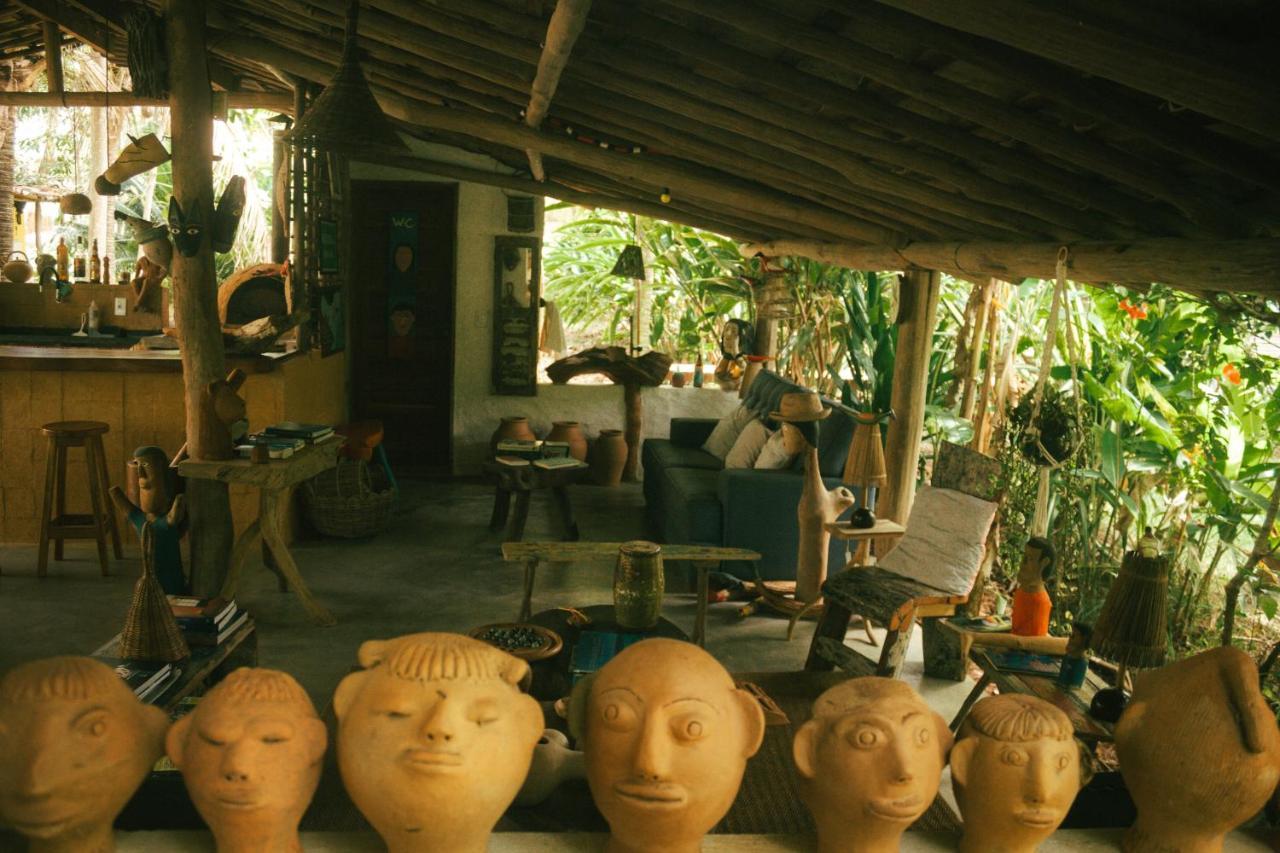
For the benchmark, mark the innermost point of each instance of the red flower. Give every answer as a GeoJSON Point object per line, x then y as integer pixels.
{"type": "Point", "coordinates": [1231, 373]}
{"type": "Point", "coordinates": [1135, 312]}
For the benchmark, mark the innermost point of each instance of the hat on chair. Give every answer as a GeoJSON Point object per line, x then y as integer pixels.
{"type": "Point", "coordinates": [800, 407]}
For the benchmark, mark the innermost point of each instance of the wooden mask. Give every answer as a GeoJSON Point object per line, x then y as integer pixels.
{"type": "Point", "coordinates": [187, 228]}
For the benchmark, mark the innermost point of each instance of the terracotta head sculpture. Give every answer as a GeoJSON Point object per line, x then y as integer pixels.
{"type": "Point", "coordinates": [667, 736]}
{"type": "Point", "coordinates": [1199, 751]}
{"type": "Point", "coordinates": [435, 739]}
{"type": "Point", "coordinates": [74, 745]}
{"type": "Point", "coordinates": [250, 754]}
{"type": "Point", "coordinates": [870, 761]}
{"type": "Point", "coordinates": [1016, 770]}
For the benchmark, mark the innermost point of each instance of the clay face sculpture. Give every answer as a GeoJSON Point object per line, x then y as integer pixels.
{"type": "Point", "coordinates": [667, 737]}
{"type": "Point", "coordinates": [435, 739]}
{"type": "Point", "coordinates": [250, 755]}
{"type": "Point", "coordinates": [186, 227]}
{"type": "Point", "coordinates": [1199, 751]}
{"type": "Point", "coordinates": [1016, 771]}
{"type": "Point", "coordinates": [869, 761]}
{"type": "Point", "coordinates": [74, 745]}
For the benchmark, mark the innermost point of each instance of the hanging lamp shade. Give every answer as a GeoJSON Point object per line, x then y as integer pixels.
{"type": "Point", "coordinates": [346, 118]}
{"type": "Point", "coordinates": [630, 263]}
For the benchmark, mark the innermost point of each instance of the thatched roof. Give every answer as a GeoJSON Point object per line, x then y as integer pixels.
{"type": "Point", "coordinates": [884, 123]}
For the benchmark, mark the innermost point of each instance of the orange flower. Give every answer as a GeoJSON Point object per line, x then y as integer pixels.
{"type": "Point", "coordinates": [1135, 312]}
{"type": "Point", "coordinates": [1231, 373]}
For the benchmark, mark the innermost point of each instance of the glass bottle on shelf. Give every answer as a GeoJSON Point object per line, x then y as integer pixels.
{"type": "Point", "coordinates": [78, 261]}
{"type": "Point", "coordinates": [106, 269]}
{"type": "Point", "coordinates": [697, 371]}
{"type": "Point", "coordinates": [95, 264]}
{"type": "Point", "coordinates": [63, 263]}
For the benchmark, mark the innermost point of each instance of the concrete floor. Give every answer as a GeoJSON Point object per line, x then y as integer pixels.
{"type": "Point", "coordinates": [437, 568]}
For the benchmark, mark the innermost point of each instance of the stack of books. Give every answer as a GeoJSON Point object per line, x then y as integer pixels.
{"type": "Point", "coordinates": [309, 433]}
{"type": "Point", "coordinates": [278, 447]}
{"type": "Point", "coordinates": [551, 463]}
{"type": "Point", "coordinates": [519, 448]}
{"type": "Point", "coordinates": [147, 680]}
{"type": "Point", "coordinates": [206, 621]}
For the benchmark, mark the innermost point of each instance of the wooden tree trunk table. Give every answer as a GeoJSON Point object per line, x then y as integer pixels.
{"type": "Point", "coordinates": [522, 482]}
{"type": "Point", "coordinates": [274, 480]}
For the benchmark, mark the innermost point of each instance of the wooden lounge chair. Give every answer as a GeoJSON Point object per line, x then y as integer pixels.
{"type": "Point", "coordinates": [897, 600]}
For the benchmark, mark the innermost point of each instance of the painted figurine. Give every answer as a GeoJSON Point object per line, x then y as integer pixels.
{"type": "Point", "coordinates": [250, 755]}
{"type": "Point", "coordinates": [435, 739]}
{"type": "Point", "coordinates": [667, 736]}
{"type": "Point", "coordinates": [870, 761]}
{"type": "Point", "coordinates": [159, 516]}
{"type": "Point", "coordinates": [75, 743]}
{"type": "Point", "coordinates": [1016, 771]}
{"type": "Point", "coordinates": [1075, 664]}
{"type": "Point", "coordinates": [1031, 602]}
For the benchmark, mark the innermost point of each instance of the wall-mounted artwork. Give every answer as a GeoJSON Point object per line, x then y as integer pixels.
{"type": "Point", "coordinates": [517, 278]}
{"type": "Point", "coordinates": [402, 289]}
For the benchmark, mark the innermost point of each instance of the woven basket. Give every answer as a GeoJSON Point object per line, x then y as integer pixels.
{"type": "Point", "coordinates": [350, 501]}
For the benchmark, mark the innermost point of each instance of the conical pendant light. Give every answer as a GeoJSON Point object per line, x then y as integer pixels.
{"type": "Point", "coordinates": [346, 117]}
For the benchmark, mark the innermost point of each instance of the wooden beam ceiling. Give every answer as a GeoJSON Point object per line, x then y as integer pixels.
{"type": "Point", "coordinates": [567, 23]}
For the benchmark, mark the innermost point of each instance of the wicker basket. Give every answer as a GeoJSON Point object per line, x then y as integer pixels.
{"type": "Point", "coordinates": [350, 501]}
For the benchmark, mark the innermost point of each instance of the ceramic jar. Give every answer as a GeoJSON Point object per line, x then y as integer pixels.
{"type": "Point", "coordinates": [609, 457]}
{"type": "Point", "coordinates": [513, 427]}
{"type": "Point", "coordinates": [571, 432]}
{"type": "Point", "coordinates": [638, 584]}
{"type": "Point", "coordinates": [678, 379]}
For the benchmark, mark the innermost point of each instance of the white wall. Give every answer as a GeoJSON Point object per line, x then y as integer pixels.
{"type": "Point", "coordinates": [482, 215]}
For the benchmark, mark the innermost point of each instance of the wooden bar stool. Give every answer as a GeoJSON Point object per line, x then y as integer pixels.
{"type": "Point", "coordinates": [95, 525]}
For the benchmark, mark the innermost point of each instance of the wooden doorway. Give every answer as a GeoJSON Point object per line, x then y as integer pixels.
{"type": "Point", "coordinates": [402, 307]}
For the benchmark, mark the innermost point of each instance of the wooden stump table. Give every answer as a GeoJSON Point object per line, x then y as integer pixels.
{"type": "Point", "coordinates": [273, 480]}
{"type": "Point", "coordinates": [522, 481]}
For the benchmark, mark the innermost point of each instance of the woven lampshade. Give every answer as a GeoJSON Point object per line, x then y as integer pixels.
{"type": "Point", "coordinates": [151, 632]}
{"type": "Point", "coordinates": [1130, 630]}
{"type": "Point", "coordinates": [864, 465]}
{"type": "Point", "coordinates": [346, 117]}
{"type": "Point", "coordinates": [630, 263]}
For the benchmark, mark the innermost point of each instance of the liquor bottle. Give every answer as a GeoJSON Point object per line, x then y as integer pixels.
{"type": "Point", "coordinates": [95, 264]}
{"type": "Point", "coordinates": [78, 261]}
{"type": "Point", "coordinates": [106, 269]}
{"type": "Point", "coordinates": [697, 371]}
{"type": "Point", "coordinates": [63, 265]}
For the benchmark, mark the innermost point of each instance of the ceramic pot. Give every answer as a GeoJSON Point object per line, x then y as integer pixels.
{"type": "Point", "coordinates": [571, 432]}
{"type": "Point", "coordinates": [638, 584]}
{"type": "Point", "coordinates": [678, 379]}
{"type": "Point", "coordinates": [515, 427]}
{"type": "Point", "coordinates": [609, 457]}
{"type": "Point", "coordinates": [18, 269]}
{"type": "Point", "coordinates": [553, 763]}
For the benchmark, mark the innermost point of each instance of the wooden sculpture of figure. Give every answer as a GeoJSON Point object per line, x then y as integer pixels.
{"type": "Point", "coordinates": [1031, 602]}
{"type": "Point", "coordinates": [435, 739]}
{"type": "Point", "coordinates": [75, 743]}
{"type": "Point", "coordinates": [1015, 769]}
{"type": "Point", "coordinates": [1199, 751]}
{"type": "Point", "coordinates": [146, 285]}
{"type": "Point", "coordinates": [667, 736]}
{"type": "Point", "coordinates": [1075, 663]}
{"type": "Point", "coordinates": [250, 755]}
{"type": "Point", "coordinates": [870, 761]}
{"type": "Point", "coordinates": [799, 414]}
{"type": "Point", "coordinates": [159, 516]}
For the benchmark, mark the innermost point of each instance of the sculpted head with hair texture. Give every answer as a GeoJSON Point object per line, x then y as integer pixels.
{"type": "Point", "coordinates": [435, 739]}
{"type": "Point", "coordinates": [75, 743]}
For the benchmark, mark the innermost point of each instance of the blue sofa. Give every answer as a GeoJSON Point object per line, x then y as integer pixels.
{"type": "Point", "coordinates": [691, 499]}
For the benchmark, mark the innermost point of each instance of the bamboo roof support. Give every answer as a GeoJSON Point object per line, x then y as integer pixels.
{"type": "Point", "coordinates": [567, 23]}
{"type": "Point", "coordinates": [53, 55]}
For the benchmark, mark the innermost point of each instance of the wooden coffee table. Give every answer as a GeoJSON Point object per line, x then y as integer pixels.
{"type": "Point", "coordinates": [522, 482]}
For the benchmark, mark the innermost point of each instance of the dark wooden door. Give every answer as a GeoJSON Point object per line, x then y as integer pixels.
{"type": "Point", "coordinates": [402, 298]}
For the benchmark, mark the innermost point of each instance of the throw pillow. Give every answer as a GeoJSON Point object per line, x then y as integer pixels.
{"type": "Point", "coordinates": [747, 448]}
{"type": "Point", "coordinates": [774, 455]}
{"type": "Point", "coordinates": [945, 540]}
{"type": "Point", "coordinates": [721, 440]}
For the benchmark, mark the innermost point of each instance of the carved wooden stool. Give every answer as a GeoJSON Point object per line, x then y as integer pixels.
{"type": "Point", "coordinates": [61, 525]}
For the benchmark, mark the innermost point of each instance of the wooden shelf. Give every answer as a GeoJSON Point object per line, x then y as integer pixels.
{"type": "Point", "coordinates": [882, 527]}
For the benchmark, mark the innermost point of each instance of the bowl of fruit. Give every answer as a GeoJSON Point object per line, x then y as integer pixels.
{"type": "Point", "coordinates": [526, 641]}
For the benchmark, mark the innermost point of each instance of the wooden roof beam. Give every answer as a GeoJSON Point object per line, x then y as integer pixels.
{"type": "Point", "coordinates": [567, 23]}
{"type": "Point", "coordinates": [53, 55]}
{"type": "Point", "coordinates": [1214, 88]}
{"type": "Point", "coordinates": [277, 101]}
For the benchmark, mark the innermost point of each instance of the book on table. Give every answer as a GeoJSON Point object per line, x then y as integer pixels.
{"type": "Point", "coordinates": [310, 433]}
{"type": "Point", "coordinates": [555, 463]}
{"type": "Point", "coordinates": [212, 637]}
{"type": "Point", "coordinates": [202, 614]}
{"type": "Point", "coordinates": [519, 447]}
{"type": "Point", "coordinates": [140, 676]}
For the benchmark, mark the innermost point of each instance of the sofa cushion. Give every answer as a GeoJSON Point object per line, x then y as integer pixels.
{"type": "Point", "coordinates": [945, 540]}
{"type": "Point", "coordinates": [774, 455]}
{"type": "Point", "coordinates": [747, 448]}
{"type": "Point", "coordinates": [661, 454]}
{"type": "Point", "coordinates": [727, 430]}
{"type": "Point", "coordinates": [691, 505]}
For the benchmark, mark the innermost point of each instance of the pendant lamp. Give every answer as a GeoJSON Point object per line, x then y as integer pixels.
{"type": "Point", "coordinates": [630, 263]}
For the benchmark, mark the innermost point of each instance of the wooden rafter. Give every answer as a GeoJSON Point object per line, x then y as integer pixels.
{"type": "Point", "coordinates": [567, 23]}
{"type": "Point", "coordinates": [277, 101]}
{"type": "Point", "coordinates": [53, 55]}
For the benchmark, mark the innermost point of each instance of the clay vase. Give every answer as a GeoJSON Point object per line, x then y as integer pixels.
{"type": "Point", "coordinates": [1015, 770]}
{"type": "Point", "coordinates": [75, 743]}
{"type": "Point", "coordinates": [869, 761]}
{"type": "Point", "coordinates": [513, 427]}
{"type": "Point", "coordinates": [571, 432]}
{"type": "Point", "coordinates": [553, 764]}
{"type": "Point", "coordinates": [678, 380]}
{"type": "Point", "coordinates": [250, 755]}
{"type": "Point", "coordinates": [435, 739]}
{"type": "Point", "coordinates": [667, 736]}
{"type": "Point", "coordinates": [1199, 751]}
{"type": "Point", "coordinates": [609, 457]}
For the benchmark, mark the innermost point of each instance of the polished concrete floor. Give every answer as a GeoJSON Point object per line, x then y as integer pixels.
{"type": "Point", "coordinates": [436, 568]}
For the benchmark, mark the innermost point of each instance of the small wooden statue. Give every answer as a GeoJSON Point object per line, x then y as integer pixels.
{"type": "Point", "coordinates": [146, 286]}
{"type": "Point", "coordinates": [1075, 664]}
{"type": "Point", "coordinates": [1031, 603]}
{"type": "Point", "coordinates": [1199, 751]}
{"type": "Point", "coordinates": [159, 516]}
{"type": "Point", "coordinates": [75, 743]}
{"type": "Point", "coordinates": [1016, 770]}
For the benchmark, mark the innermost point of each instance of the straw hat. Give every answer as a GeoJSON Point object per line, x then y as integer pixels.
{"type": "Point", "coordinates": [800, 407]}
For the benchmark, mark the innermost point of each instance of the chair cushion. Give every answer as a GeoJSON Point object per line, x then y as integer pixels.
{"type": "Point", "coordinates": [945, 540]}
{"type": "Point", "coordinates": [721, 440]}
{"type": "Point", "coordinates": [747, 448]}
{"type": "Point", "coordinates": [691, 505]}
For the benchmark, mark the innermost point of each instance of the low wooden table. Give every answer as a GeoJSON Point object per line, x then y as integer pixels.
{"type": "Point", "coordinates": [274, 480]}
{"type": "Point", "coordinates": [523, 481]}
{"type": "Point", "coordinates": [702, 556]}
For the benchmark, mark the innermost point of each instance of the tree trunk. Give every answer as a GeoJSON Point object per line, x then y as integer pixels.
{"type": "Point", "coordinates": [195, 292]}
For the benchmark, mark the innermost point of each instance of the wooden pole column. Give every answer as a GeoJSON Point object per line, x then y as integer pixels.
{"type": "Point", "coordinates": [195, 292]}
{"type": "Point", "coordinates": [917, 319]}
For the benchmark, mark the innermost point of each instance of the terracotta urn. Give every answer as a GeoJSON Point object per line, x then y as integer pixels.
{"type": "Point", "coordinates": [515, 427]}
{"type": "Point", "coordinates": [75, 743]}
{"type": "Point", "coordinates": [571, 432]}
{"type": "Point", "coordinates": [251, 754]}
{"type": "Point", "coordinates": [609, 457]}
{"type": "Point", "coordinates": [667, 736]}
{"type": "Point", "coordinates": [1015, 770]}
{"type": "Point", "coordinates": [435, 739]}
{"type": "Point", "coordinates": [553, 764]}
{"type": "Point", "coordinates": [1199, 751]}
{"type": "Point", "coordinates": [870, 761]}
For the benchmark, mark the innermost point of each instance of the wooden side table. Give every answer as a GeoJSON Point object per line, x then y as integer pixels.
{"type": "Point", "coordinates": [882, 531]}
{"type": "Point", "coordinates": [273, 480]}
{"type": "Point", "coordinates": [522, 481]}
